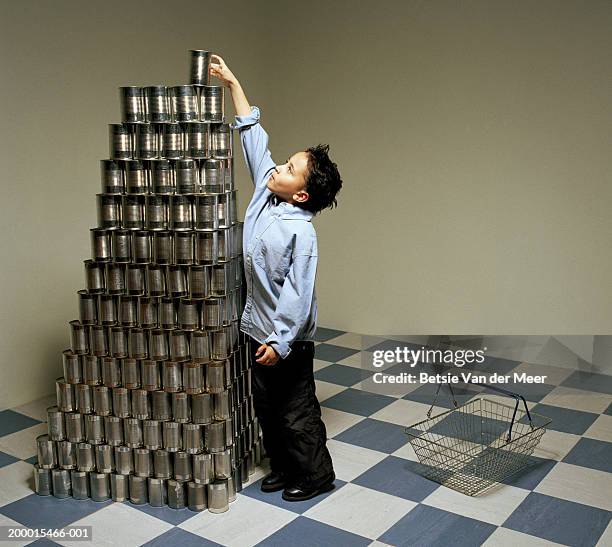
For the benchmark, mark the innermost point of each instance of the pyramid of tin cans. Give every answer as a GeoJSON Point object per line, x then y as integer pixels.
{"type": "Point", "coordinates": [155, 405]}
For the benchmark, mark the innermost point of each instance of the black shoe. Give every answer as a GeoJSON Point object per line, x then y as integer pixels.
{"type": "Point", "coordinates": [297, 493]}
{"type": "Point", "coordinates": [273, 482]}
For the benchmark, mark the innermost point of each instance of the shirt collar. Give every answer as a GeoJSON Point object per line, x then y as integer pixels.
{"type": "Point", "coordinates": [288, 211]}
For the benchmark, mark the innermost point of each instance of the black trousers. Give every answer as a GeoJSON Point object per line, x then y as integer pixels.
{"type": "Point", "coordinates": [294, 436]}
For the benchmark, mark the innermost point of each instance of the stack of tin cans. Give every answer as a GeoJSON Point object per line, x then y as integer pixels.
{"type": "Point", "coordinates": [155, 404]}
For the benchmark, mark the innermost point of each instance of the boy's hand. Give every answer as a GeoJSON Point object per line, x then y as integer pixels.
{"type": "Point", "coordinates": [219, 69]}
{"type": "Point", "coordinates": [268, 355]}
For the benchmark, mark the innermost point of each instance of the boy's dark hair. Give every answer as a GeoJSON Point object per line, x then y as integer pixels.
{"type": "Point", "coordinates": [323, 181]}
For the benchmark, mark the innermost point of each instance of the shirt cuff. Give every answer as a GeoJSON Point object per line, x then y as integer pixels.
{"type": "Point", "coordinates": [282, 348]}
{"type": "Point", "coordinates": [245, 121]}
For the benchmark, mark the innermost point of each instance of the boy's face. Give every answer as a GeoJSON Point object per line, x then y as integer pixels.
{"type": "Point", "coordinates": [288, 181]}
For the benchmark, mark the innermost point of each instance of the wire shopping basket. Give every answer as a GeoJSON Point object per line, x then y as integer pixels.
{"type": "Point", "coordinates": [478, 444]}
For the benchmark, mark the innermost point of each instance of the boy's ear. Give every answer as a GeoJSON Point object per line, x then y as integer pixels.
{"type": "Point", "coordinates": [301, 196]}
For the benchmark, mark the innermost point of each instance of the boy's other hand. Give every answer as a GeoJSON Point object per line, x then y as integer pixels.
{"type": "Point", "coordinates": [268, 355]}
{"type": "Point", "coordinates": [219, 69]}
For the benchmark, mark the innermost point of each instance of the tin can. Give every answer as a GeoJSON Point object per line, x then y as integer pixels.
{"type": "Point", "coordinates": [184, 103]}
{"type": "Point", "coordinates": [162, 247]}
{"type": "Point", "coordinates": [100, 244]}
{"type": "Point", "coordinates": [171, 143]}
{"type": "Point", "coordinates": [55, 424]}
{"type": "Point", "coordinates": [143, 462]}
{"type": "Point", "coordinates": [181, 409]}
{"type": "Point", "coordinates": [186, 172]}
{"type": "Point", "coordinates": [111, 176]}
{"type": "Point", "coordinates": [124, 460]}
{"type": "Point", "coordinates": [212, 103]}
{"type": "Point", "coordinates": [172, 436]}
{"type": "Point", "coordinates": [156, 280]}
{"type": "Point", "coordinates": [147, 142]}
{"type": "Point", "coordinates": [138, 490]}
{"type": "Point", "coordinates": [105, 461]}
{"type": "Point", "coordinates": [136, 179]}
{"type": "Point", "coordinates": [42, 481]}
{"type": "Point", "coordinates": [177, 281]}
{"type": "Point", "coordinates": [207, 247]}
{"type": "Point", "coordinates": [156, 213]}
{"type": "Point", "coordinates": [176, 494]}
{"type": "Point", "coordinates": [151, 375]}
{"type": "Point", "coordinates": [121, 402]}
{"type": "Point", "coordinates": [119, 342]}
{"type": "Point", "coordinates": [162, 464]}
{"type": "Point", "coordinates": [64, 395]}
{"type": "Point", "coordinates": [181, 217]}
{"type": "Point", "coordinates": [179, 346]}
{"type": "Point", "coordinates": [71, 364]}
{"type": "Point", "coordinates": [167, 313]}
{"type": "Point", "coordinates": [182, 466]}
{"type": "Point", "coordinates": [226, 243]}
{"type": "Point", "coordinates": [206, 212]}
{"type": "Point", "coordinates": [46, 452]}
{"type": "Point", "coordinates": [218, 496]}
{"type": "Point", "coordinates": [158, 496]}
{"type": "Point", "coordinates": [61, 485]}
{"type": "Point", "coordinates": [115, 278]}
{"type": "Point", "coordinates": [160, 403]}
{"type": "Point", "coordinates": [121, 245]}
{"type": "Point", "coordinates": [200, 63]}
{"type": "Point", "coordinates": [203, 470]}
{"type": "Point", "coordinates": [213, 176]}
{"type": "Point", "coordinates": [152, 434]}
{"type": "Point", "coordinates": [132, 104]}
{"type": "Point", "coordinates": [198, 140]}
{"type": "Point", "coordinates": [196, 496]}
{"type": "Point", "coordinates": [132, 431]}
{"type": "Point", "coordinates": [198, 282]}
{"type": "Point", "coordinates": [222, 139]}
{"type": "Point", "coordinates": [157, 103]}
{"type": "Point", "coordinates": [98, 340]}
{"type": "Point", "coordinates": [120, 490]}
{"type": "Point", "coordinates": [202, 409]}
{"type": "Point", "coordinates": [80, 484]}
{"type": "Point", "coordinates": [94, 276]}
{"type": "Point", "coordinates": [102, 400]}
{"type": "Point", "coordinates": [141, 406]}
{"type": "Point", "coordinates": [128, 311]}
{"type": "Point", "coordinates": [113, 425]}
{"type": "Point", "coordinates": [94, 428]}
{"type": "Point", "coordinates": [135, 279]}
{"type": "Point", "coordinates": [121, 141]}
{"type": "Point", "coordinates": [84, 399]}
{"type": "Point", "coordinates": [183, 248]}
{"type": "Point", "coordinates": [85, 457]}
{"type": "Point", "coordinates": [132, 211]}
{"type": "Point", "coordinates": [171, 376]}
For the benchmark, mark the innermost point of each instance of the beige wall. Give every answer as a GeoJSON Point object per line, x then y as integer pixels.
{"type": "Point", "coordinates": [471, 136]}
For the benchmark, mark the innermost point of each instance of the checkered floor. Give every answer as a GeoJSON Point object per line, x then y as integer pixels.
{"type": "Point", "coordinates": [564, 498]}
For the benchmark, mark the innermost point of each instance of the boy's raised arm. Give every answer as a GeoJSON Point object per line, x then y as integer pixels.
{"type": "Point", "coordinates": [254, 138]}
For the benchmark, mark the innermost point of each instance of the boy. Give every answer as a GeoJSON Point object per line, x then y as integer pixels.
{"type": "Point", "coordinates": [280, 261]}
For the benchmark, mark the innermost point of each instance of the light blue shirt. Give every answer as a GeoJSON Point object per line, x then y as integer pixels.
{"type": "Point", "coordinates": [280, 253]}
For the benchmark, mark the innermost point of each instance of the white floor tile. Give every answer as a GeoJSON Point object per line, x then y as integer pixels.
{"type": "Point", "coordinates": [22, 444]}
{"type": "Point", "coordinates": [555, 445]}
{"type": "Point", "coordinates": [578, 399]}
{"type": "Point", "coordinates": [318, 364]}
{"type": "Point", "coordinates": [37, 409]}
{"type": "Point", "coordinates": [503, 537]}
{"type": "Point", "coordinates": [405, 412]}
{"type": "Point", "coordinates": [348, 340]}
{"type": "Point", "coordinates": [119, 524]}
{"type": "Point", "coordinates": [16, 482]}
{"type": "Point", "coordinates": [494, 506]}
{"type": "Point", "coordinates": [601, 429]}
{"type": "Point", "coordinates": [355, 360]}
{"type": "Point", "coordinates": [360, 510]}
{"type": "Point", "coordinates": [406, 452]}
{"type": "Point", "coordinates": [350, 461]}
{"type": "Point", "coordinates": [579, 484]}
{"type": "Point", "coordinates": [247, 522]}
{"type": "Point", "coordinates": [325, 390]}
{"type": "Point", "coordinates": [337, 421]}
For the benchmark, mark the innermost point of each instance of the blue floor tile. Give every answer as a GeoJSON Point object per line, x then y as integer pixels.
{"type": "Point", "coordinates": [333, 354]}
{"type": "Point", "coordinates": [275, 498]}
{"type": "Point", "coordinates": [7, 459]}
{"type": "Point", "coordinates": [342, 374]}
{"type": "Point", "coordinates": [43, 542]}
{"type": "Point", "coordinates": [591, 453]}
{"type": "Point", "coordinates": [358, 402]}
{"type": "Point", "coordinates": [532, 392]}
{"type": "Point", "coordinates": [323, 334]}
{"type": "Point", "coordinates": [609, 410]}
{"type": "Point", "coordinates": [602, 383]}
{"type": "Point", "coordinates": [36, 511]}
{"type": "Point", "coordinates": [173, 516]}
{"type": "Point", "coordinates": [467, 426]}
{"type": "Point", "coordinates": [32, 460]}
{"type": "Point", "coordinates": [398, 477]}
{"type": "Point", "coordinates": [374, 434]}
{"type": "Point", "coordinates": [11, 421]}
{"type": "Point", "coordinates": [426, 526]}
{"type": "Point", "coordinates": [178, 536]}
{"type": "Point", "coordinates": [558, 520]}
{"type": "Point", "coordinates": [305, 532]}
{"type": "Point", "coordinates": [564, 419]}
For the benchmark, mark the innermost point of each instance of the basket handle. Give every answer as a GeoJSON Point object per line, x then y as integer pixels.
{"type": "Point", "coordinates": [518, 398]}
